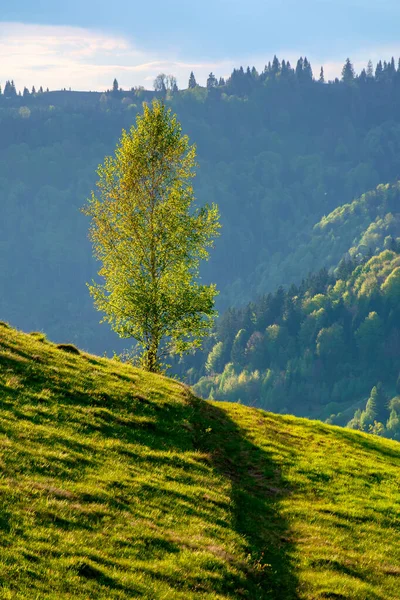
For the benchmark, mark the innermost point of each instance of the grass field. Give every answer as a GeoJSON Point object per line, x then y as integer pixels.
{"type": "Point", "coordinates": [115, 483]}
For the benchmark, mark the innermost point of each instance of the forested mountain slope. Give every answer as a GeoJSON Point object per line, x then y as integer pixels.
{"type": "Point", "coordinates": [119, 484]}
{"type": "Point", "coordinates": [356, 230]}
{"type": "Point", "coordinates": [277, 151]}
{"type": "Point", "coordinates": [321, 349]}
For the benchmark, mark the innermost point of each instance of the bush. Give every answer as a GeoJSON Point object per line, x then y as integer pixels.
{"type": "Point", "coordinates": [39, 336]}
{"type": "Point", "coordinates": [68, 348]}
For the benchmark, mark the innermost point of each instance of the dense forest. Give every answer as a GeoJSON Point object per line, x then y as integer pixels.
{"type": "Point", "coordinates": [277, 151]}
{"type": "Point", "coordinates": [320, 349]}
{"type": "Point", "coordinates": [304, 173]}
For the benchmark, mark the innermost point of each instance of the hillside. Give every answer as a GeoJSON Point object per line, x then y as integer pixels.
{"type": "Point", "coordinates": [277, 151]}
{"type": "Point", "coordinates": [318, 350]}
{"type": "Point", "coordinates": [119, 484]}
{"type": "Point", "coordinates": [363, 227]}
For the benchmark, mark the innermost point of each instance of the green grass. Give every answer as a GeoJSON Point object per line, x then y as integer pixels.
{"type": "Point", "coordinates": [115, 483]}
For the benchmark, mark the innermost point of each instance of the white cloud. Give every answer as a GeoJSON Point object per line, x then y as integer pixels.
{"type": "Point", "coordinates": [84, 59]}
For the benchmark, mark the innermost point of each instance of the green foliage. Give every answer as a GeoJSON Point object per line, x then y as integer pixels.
{"type": "Point", "coordinates": [370, 335]}
{"type": "Point", "coordinates": [330, 342]}
{"type": "Point", "coordinates": [393, 425]}
{"type": "Point", "coordinates": [315, 350]}
{"type": "Point", "coordinates": [150, 240]}
{"type": "Point", "coordinates": [214, 359]}
{"type": "Point", "coordinates": [371, 418]}
{"type": "Point", "coordinates": [274, 168]}
{"type": "Point", "coordinates": [238, 352]}
{"type": "Point", "coordinates": [116, 484]}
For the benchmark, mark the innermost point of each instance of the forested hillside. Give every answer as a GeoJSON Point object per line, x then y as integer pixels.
{"type": "Point", "coordinates": [327, 349]}
{"type": "Point", "coordinates": [278, 151]}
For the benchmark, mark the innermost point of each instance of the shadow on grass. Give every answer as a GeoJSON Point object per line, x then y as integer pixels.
{"type": "Point", "coordinates": [257, 485]}
{"type": "Point", "coordinates": [257, 488]}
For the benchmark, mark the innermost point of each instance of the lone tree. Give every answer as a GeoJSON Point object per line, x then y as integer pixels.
{"type": "Point", "coordinates": [150, 239]}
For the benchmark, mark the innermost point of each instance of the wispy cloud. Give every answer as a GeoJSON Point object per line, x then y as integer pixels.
{"type": "Point", "coordinates": [84, 59]}
{"type": "Point", "coordinates": [58, 57]}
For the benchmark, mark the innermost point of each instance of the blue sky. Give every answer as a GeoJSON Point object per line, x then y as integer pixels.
{"type": "Point", "coordinates": [84, 43]}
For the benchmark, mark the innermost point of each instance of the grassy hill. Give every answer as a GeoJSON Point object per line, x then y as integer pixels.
{"type": "Point", "coordinates": [115, 483]}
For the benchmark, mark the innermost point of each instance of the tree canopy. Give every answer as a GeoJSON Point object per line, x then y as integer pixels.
{"type": "Point", "coordinates": [150, 239]}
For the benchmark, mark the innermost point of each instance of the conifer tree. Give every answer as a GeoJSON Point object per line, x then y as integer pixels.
{"type": "Point", "coordinates": [9, 89]}
{"type": "Point", "coordinates": [299, 69]}
{"type": "Point", "coordinates": [363, 76]}
{"type": "Point", "coordinates": [379, 71]}
{"type": "Point", "coordinates": [307, 70]}
{"type": "Point", "coordinates": [212, 81]}
{"type": "Point", "coordinates": [192, 81]}
{"type": "Point", "coordinates": [370, 70]}
{"type": "Point", "coordinates": [321, 76]}
{"type": "Point", "coordinates": [376, 408]}
{"type": "Point", "coordinates": [348, 71]}
{"type": "Point", "coordinates": [276, 66]}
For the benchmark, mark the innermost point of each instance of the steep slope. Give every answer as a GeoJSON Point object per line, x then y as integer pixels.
{"type": "Point", "coordinates": [316, 350]}
{"type": "Point", "coordinates": [119, 484]}
{"type": "Point", "coordinates": [367, 225]}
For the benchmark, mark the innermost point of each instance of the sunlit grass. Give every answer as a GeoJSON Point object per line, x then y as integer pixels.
{"type": "Point", "coordinates": [119, 484]}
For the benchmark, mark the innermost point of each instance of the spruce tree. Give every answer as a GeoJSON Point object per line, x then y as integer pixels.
{"type": "Point", "coordinates": [379, 71]}
{"type": "Point", "coordinates": [299, 69]}
{"type": "Point", "coordinates": [307, 70]}
{"type": "Point", "coordinates": [192, 81]}
{"type": "Point", "coordinates": [321, 76]}
{"type": "Point", "coordinates": [375, 409]}
{"type": "Point", "coordinates": [9, 90]}
{"type": "Point", "coordinates": [212, 81]}
{"type": "Point", "coordinates": [370, 414]}
{"type": "Point", "coordinates": [348, 74]}
{"type": "Point", "coordinates": [276, 66]}
{"type": "Point", "coordinates": [363, 76]}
